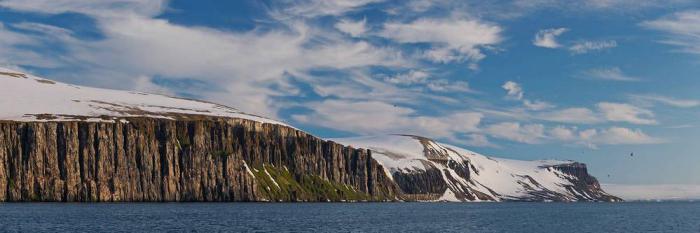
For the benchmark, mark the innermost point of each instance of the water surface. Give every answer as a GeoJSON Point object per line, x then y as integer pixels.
{"type": "Point", "coordinates": [351, 217]}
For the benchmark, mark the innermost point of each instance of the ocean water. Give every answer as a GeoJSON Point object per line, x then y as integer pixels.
{"type": "Point", "coordinates": [351, 217]}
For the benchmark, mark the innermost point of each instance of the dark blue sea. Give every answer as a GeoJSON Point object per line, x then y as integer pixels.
{"type": "Point", "coordinates": [351, 217]}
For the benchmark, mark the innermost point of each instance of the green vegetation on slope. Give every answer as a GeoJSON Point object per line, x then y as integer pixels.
{"type": "Point", "coordinates": [278, 184]}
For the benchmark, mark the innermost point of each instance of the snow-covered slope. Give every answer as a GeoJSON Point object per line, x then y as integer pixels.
{"type": "Point", "coordinates": [427, 170]}
{"type": "Point", "coordinates": [24, 97]}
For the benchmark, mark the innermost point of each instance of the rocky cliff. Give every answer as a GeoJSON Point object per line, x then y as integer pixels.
{"type": "Point", "coordinates": [61, 142]}
{"type": "Point", "coordinates": [207, 159]}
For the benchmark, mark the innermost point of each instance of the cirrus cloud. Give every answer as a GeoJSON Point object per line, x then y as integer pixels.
{"type": "Point", "coordinates": [450, 39]}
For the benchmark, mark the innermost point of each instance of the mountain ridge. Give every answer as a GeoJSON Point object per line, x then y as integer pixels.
{"type": "Point", "coordinates": [64, 142]}
{"type": "Point", "coordinates": [457, 174]}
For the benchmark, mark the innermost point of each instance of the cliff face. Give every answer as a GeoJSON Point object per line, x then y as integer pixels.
{"type": "Point", "coordinates": [583, 184]}
{"type": "Point", "coordinates": [61, 142]}
{"type": "Point", "coordinates": [204, 158]}
{"type": "Point", "coordinates": [207, 159]}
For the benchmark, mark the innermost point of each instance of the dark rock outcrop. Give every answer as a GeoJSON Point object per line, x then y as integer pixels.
{"type": "Point", "coordinates": [204, 159]}
{"type": "Point", "coordinates": [585, 186]}
{"type": "Point", "coordinates": [421, 184]}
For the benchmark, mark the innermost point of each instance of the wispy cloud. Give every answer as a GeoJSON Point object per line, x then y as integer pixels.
{"type": "Point", "coordinates": [136, 44]}
{"type": "Point", "coordinates": [373, 117]}
{"type": "Point", "coordinates": [631, 5]}
{"type": "Point", "coordinates": [611, 74]}
{"type": "Point", "coordinates": [682, 29]}
{"type": "Point", "coordinates": [450, 39]}
{"type": "Point", "coordinates": [575, 115]}
{"type": "Point", "coordinates": [353, 28]}
{"type": "Point", "coordinates": [423, 79]}
{"type": "Point", "coordinates": [547, 38]}
{"type": "Point", "coordinates": [268, 69]}
{"type": "Point", "coordinates": [591, 137]}
{"type": "Point", "coordinates": [537, 105]}
{"type": "Point", "coordinates": [591, 46]}
{"type": "Point", "coordinates": [617, 136]}
{"type": "Point", "coordinates": [411, 77]}
{"type": "Point", "coordinates": [649, 99]}
{"type": "Point", "coordinates": [621, 112]}
{"type": "Point", "coordinates": [317, 8]}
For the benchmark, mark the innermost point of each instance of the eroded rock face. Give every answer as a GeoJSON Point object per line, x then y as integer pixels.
{"type": "Point", "coordinates": [585, 186]}
{"type": "Point", "coordinates": [209, 159]}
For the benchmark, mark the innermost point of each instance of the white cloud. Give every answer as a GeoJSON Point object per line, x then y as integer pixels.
{"type": "Point", "coordinates": [562, 133]}
{"type": "Point", "coordinates": [136, 45]}
{"type": "Point", "coordinates": [252, 69]}
{"type": "Point", "coordinates": [683, 126]}
{"type": "Point", "coordinates": [538, 133]}
{"type": "Point", "coordinates": [683, 29]}
{"type": "Point", "coordinates": [450, 39]}
{"type": "Point", "coordinates": [104, 8]}
{"type": "Point", "coordinates": [654, 192]}
{"type": "Point", "coordinates": [231, 60]}
{"type": "Point", "coordinates": [423, 78]}
{"type": "Point", "coordinates": [353, 28]}
{"type": "Point", "coordinates": [612, 74]}
{"type": "Point", "coordinates": [442, 85]}
{"type": "Point", "coordinates": [316, 8]}
{"type": "Point", "coordinates": [518, 8]}
{"type": "Point", "coordinates": [412, 77]}
{"type": "Point", "coordinates": [478, 140]}
{"type": "Point", "coordinates": [680, 103]}
{"type": "Point", "coordinates": [547, 38]}
{"type": "Point", "coordinates": [514, 131]}
{"type": "Point", "coordinates": [373, 117]}
{"type": "Point", "coordinates": [14, 56]}
{"type": "Point", "coordinates": [44, 29]}
{"type": "Point", "coordinates": [145, 84]}
{"type": "Point", "coordinates": [630, 5]}
{"type": "Point", "coordinates": [626, 113]}
{"type": "Point", "coordinates": [537, 105]}
{"type": "Point", "coordinates": [574, 115]}
{"type": "Point", "coordinates": [361, 86]}
{"type": "Point", "coordinates": [615, 136]}
{"type": "Point", "coordinates": [591, 46]}
{"type": "Point", "coordinates": [620, 135]}
{"type": "Point", "coordinates": [515, 91]}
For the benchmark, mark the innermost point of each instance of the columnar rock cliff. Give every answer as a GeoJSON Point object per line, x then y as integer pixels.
{"type": "Point", "coordinates": [208, 159]}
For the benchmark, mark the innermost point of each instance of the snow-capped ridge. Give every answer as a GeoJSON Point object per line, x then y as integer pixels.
{"type": "Point", "coordinates": [450, 173]}
{"type": "Point", "coordinates": [25, 97]}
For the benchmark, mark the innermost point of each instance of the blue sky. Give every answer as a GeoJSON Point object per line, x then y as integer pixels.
{"type": "Point", "coordinates": [591, 81]}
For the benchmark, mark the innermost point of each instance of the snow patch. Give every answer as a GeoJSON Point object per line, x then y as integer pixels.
{"type": "Point", "coordinates": [271, 178]}
{"type": "Point", "coordinates": [247, 169]}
